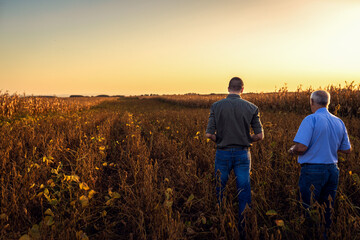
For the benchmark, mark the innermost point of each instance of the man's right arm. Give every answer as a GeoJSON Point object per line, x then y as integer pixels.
{"type": "Point", "coordinates": [298, 149]}
{"type": "Point", "coordinates": [347, 151]}
{"type": "Point", "coordinates": [257, 127]}
{"type": "Point", "coordinates": [211, 127]}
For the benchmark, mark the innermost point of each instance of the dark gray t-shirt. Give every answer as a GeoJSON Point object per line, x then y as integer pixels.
{"type": "Point", "coordinates": [230, 119]}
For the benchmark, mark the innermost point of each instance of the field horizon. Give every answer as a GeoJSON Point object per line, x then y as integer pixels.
{"type": "Point", "coordinates": [277, 89]}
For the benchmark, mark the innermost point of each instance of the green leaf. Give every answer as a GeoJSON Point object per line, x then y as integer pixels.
{"type": "Point", "coordinates": [53, 201]}
{"type": "Point", "coordinates": [203, 220]}
{"type": "Point", "coordinates": [3, 216]}
{"type": "Point", "coordinates": [190, 198]}
{"type": "Point", "coordinates": [46, 191]}
{"type": "Point", "coordinates": [35, 232]}
{"type": "Point", "coordinates": [168, 193]}
{"type": "Point", "coordinates": [49, 212]}
{"type": "Point", "coordinates": [356, 178]}
{"type": "Point", "coordinates": [25, 237]}
{"type": "Point", "coordinates": [115, 195]}
{"type": "Point", "coordinates": [168, 203]}
{"type": "Point", "coordinates": [271, 212]}
{"type": "Point", "coordinates": [49, 220]}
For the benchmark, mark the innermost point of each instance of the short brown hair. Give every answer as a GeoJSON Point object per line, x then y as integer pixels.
{"type": "Point", "coordinates": [236, 84]}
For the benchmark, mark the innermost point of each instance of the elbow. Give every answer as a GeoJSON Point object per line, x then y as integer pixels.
{"type": "Point", "coordinates": [300, 152]}
{"type": "Point", "coordinates": [346, 151]}
{"type": "Point", "coordinates": [261, 136]}
{"type": "Point", "coordinates": [257, 137]}
{"type": "Point", "coordinates": [300, 149]}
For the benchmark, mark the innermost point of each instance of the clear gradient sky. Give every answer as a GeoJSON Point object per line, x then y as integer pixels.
{"type": "Point", "coordinates": [166, 46]}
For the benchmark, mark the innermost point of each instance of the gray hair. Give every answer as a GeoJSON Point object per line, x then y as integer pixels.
{"type": "Point", "coordinates": [321, 97]}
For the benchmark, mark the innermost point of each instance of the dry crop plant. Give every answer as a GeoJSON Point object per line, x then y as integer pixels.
{"type": "Point", "coordinates": [17, 105]}
{"type": "Point", "coordinates": [189, 100]}
{"type": "Point", "coordinates": [345, 100]}
{"type": "Point", "coordinates": [47, 168]}
{"type": "Point", "coordinates": [142, 169]}
{"type": "Point", "coordinates": [288, 109]}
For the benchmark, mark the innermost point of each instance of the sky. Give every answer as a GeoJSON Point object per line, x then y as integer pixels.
{"type": "Point", "coordinates": [173, 47]}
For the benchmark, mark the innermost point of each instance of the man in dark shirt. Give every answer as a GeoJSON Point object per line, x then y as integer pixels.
{"type": "Point", "coordinates": [229, 126]}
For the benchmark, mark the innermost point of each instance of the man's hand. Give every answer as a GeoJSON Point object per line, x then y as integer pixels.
{"type": "Point", "coordinates": [257, 137]}
{"type": "Point", "coordinates": [298, 149]}
{"type": "Point", "coordinates": [212, 137]}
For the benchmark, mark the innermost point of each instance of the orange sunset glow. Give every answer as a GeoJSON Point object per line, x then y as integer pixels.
{"type": "Point", "coordinates": [166, 47]}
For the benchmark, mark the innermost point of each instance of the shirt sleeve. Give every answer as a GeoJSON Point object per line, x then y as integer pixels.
{"type": "Point", "coordinates": [211, 127]}
{"type": "Point", "coordinates": [305, 131]}
{"type": "Point", "coordinates": [345, 142]}
{"type": "Point", "coordinates": [255, 122]}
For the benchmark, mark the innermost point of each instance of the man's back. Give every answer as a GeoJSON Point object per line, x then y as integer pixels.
{"type": "Point", "coordinates": [324, 134]}
{"type": "Point", "coordinates": [232, 118]}
{"type": "Point", "coordinates": [320, 136]}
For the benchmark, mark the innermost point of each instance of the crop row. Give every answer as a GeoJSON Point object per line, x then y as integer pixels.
{"type": "Point", "coordinates": [18, 105]}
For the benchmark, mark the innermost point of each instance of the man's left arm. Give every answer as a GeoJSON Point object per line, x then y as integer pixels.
{"type": "Point", "coordinates": [302, 137]}
{"type": "Point", "coordinates": [257, 137]}
{"type": "Point", "coordinates": [257, 127]}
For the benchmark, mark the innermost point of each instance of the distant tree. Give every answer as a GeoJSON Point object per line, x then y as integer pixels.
{"type": "Point", "coordinates": [102, 95]}
{"type": "Point", "coordinates": [75, 96]}
{"type": "Point", "coordinates": [46, 96]}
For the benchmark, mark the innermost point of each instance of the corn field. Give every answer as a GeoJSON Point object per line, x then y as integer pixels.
{"type": "Point", "coordinates": [141, 168]}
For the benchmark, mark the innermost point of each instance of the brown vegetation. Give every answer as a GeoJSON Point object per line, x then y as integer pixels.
{"type": "Point", "coordinates": [142, 169]}
{"type": "Point", "coordinates": [344, 100]}
{"type": "Point", "coordinates": [17, 105]}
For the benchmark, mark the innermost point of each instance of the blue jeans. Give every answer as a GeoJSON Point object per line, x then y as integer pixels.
{"type": "Point", "coordinates": [324, 178]}
{"type": "Point", "coordinates": [240, 161]}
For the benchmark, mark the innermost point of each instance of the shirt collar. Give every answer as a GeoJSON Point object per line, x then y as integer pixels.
{"type": "Point", "coordinates": [232, 95]}
{"type": "Point", "coordinates": [322, 110]}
